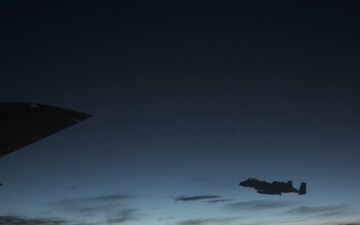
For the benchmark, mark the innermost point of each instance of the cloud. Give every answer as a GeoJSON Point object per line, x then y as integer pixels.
{"type": "Point", "coordinates": [257, 205]}
{"type": "Point", "coordinates": [106, 208]}
{"type": "Point", "coordinates": [218, 200]}
{"type": "Point", "coordinates": [102, 198]}
{"type": "Point", "coordinates": [109, 198]}
{"type": "Point", "coordinates": [92, 205]}
{"type": "Point", "coordinates": [196, 197]}
{"type": "Point", "coordinates": [195, 222]}
{"type": "Point", "coordinates": [321, 211]}
{"type": "Point", "coordinates": [292, 221]}
{"type": "Point", "coordinates": [123, 216]}
{"type": "Point", "coordinates": [14, 220]}
{"type": "Point", "coordinates": [208, 221]}
{"type": "Point", "coordinates": [355, 223]}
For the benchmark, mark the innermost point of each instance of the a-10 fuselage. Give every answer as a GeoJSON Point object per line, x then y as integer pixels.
{"type": "Point", "coordinates": [274, 188]}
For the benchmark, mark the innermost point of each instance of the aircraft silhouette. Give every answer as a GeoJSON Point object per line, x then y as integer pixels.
{"type": "Point", "coordinates": [274, 188]}
{"type": "Point", "coordinates": [22, 124]}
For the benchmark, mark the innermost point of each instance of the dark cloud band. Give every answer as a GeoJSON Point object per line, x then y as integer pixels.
{"type": "Point", "coordinates": [196, 197]}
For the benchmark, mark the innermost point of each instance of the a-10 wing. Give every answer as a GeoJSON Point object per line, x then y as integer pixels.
{"type": "Point", "coordinates": [22, 124]}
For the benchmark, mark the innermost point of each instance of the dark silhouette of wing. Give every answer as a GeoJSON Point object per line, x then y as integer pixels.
{"type": "Point", "coordinates": [22, 124]}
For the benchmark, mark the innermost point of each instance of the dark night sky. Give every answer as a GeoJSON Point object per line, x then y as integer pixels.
{"type": "Point", "coordinates": [188, 98]}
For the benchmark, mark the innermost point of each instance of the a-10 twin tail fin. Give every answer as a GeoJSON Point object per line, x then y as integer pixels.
{"type": "Point", "coordinates": [302, 189]}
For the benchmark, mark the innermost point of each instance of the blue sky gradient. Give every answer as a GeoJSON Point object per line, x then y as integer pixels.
{"type": "Point", "coordinates": [188, 99]}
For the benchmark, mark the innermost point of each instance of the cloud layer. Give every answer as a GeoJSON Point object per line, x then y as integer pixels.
{"type": "Point", "coordinates": [196, 197]}
{"type": "Point", "coordinates": [257, 205]}
{"type": "Point", "coordinates": [13, 220]}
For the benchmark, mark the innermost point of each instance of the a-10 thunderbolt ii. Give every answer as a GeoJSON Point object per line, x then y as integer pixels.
{"type": "Point", "coordinates": [274, 188]}
{"type": "Point", "coordinates": [22, 124]}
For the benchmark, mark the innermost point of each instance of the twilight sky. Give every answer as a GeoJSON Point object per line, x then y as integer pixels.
{"type": "Point", "coordinates": [188, 99]}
